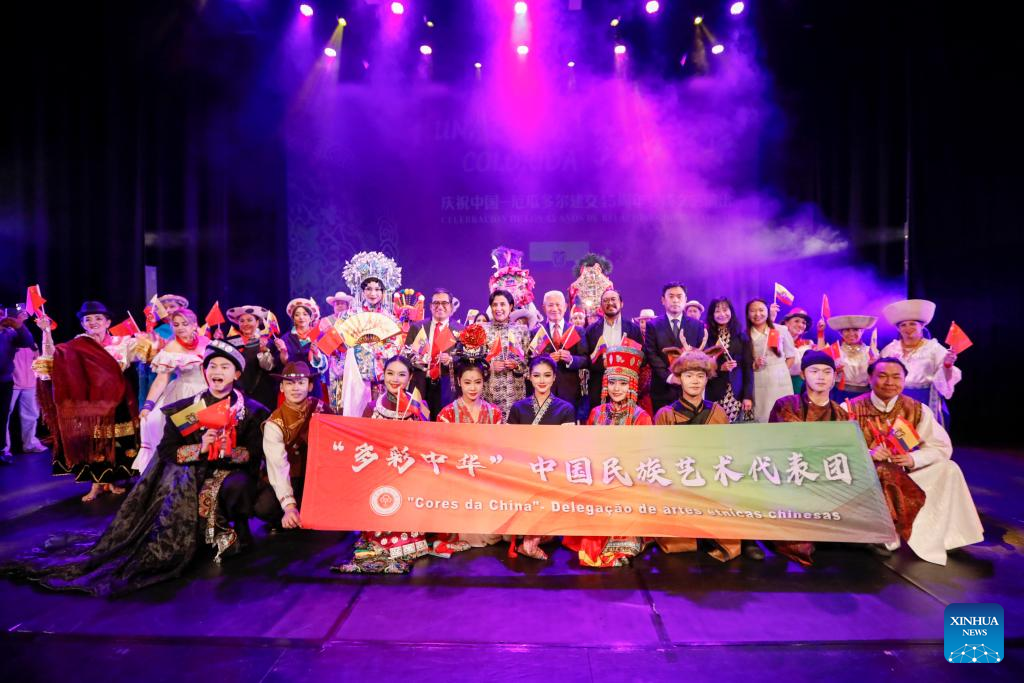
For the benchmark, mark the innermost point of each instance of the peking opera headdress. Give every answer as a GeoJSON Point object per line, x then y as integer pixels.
{"type": "Point", "coordinates": [372, 264]}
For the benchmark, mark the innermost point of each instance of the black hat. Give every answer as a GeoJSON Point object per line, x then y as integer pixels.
{"type": "Point", "coordinates": [221, 348]}
{"type": "Point", "coordinates": [813, 357]}
{"type": "Point", "coordinates": [92, 308]}
{"type": "Point", "coordinates": [295, 370]}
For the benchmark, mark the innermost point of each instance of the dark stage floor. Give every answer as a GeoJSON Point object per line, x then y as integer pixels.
{"type": "Point", "coordinates": [279, 614]}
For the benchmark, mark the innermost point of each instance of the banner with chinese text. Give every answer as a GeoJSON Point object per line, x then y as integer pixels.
{"type": "Point", "coordinates": [801, 482]}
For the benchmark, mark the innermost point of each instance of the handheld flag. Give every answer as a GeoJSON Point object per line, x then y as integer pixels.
{"type": "Point", "coordinates": [599, 349]}
{"type": "Point", "coordinates": [158, 308]}
{"type": "Point", "coordinates": [419, 341]}
{"type": "Point", "coordinates": [272, 325]}
{"type": "Point", "coordinates": [783, 295]}
{"type": "Point", "coordinates": [495, 350]}
{"type": "Point", "coordinates": [832, 350]}
{"type": "Point", "coordinates": [905, 435]}
{"type": "Point", "coordinates": [330, 341]}
{"type": "Point", "coordinates": [215, 317]}
{"type": "Point", "coordinates": [826, 311]}
{"type": "Point", "coordinates": [471, 315]}
{"type": "Point", "coordinates": [774, 341]}
{"type": "Point", "coordinates": [444, 340]}
{"type": "Point", "coordinates": [34, 301]}
{"type": "Point", "coordinates": [409, 404]}
{"type": "Point", "coordinates": [233, 332]}
{"type": "Point", "coordinates": [165, 332]}
{"type": "Point", "coordinates": [186, 419]}
{"type": "Point", "coordinates": [571, 338]}
{"type": "Point", "coordinates": [874, 340]}
{"type": "Point", "coordinates": [540, 340]}
{"type": "Point", "coordinates": [127, 328]}
{"type": "Point", "coordinates": [957, 339]}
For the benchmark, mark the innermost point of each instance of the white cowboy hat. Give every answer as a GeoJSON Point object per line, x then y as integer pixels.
{"type": "Point", "coordinates": [921, 310]}
{"type": "Point", "coordinates": [342, 296]}
{"type": "Point", "coordinates": [852, 322]}
{"type": "Point", "coordinates": [646, 314]}
{"type": "Point", "coordinates": [694, 302]}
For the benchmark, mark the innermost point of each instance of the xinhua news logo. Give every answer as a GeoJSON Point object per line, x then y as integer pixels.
{"type": "Point", "coordinates": [974, 633]}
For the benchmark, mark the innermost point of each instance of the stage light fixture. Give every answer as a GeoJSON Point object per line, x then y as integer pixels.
{"type": "Point", "coordinates": [572, 65]}
{"type": "Point", "coordinates": [523, 50]}
{"type": "Point", "coordinates": [697, 21]}
{"type": "Point", "coordinates": [718, 49]}
{"type": "Point", "coordinates": [652, 7]}
{"type": "Point", "coordinates": [477, 65]}
{"type": "Point", "coordinates": [306, 10]}
{"type": "Point", "coordinates": [397, 8]}
{"type": "Point", "coordinates": [615, 22]}
{"type": "Point", "coordinates": [330, 52]}
{"type": "Point", "coordinates": [341, 22]}
{"type": "Point", "coordinates": [520, 8]}
{"type": "Point", "coordinates": [426, 50]}
{"type": "Point", "coordinates": [737, 8]}
{"type": "Point", "coordinates": [620, 49]}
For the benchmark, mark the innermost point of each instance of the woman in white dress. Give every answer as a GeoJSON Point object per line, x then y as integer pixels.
{"type": "Point", "coordinates": [179, 374]}
{"type": "Point", "coordinates": [931, 369]}
{"type": "Point", "coordinates": [774, 353]}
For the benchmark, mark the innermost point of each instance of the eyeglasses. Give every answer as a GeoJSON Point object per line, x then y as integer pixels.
{"type": "Point", "coordinates": [441, 304]}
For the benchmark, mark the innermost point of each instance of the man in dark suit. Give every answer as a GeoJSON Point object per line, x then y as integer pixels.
{"type": "Point", "coordinates": [567, 346]}
{"type": "Point", "coordinates": [612, 329]}
{"type": "Point", "coordinates": [673, 329]}
{"type": "Point", "coordinates": [435, 383]}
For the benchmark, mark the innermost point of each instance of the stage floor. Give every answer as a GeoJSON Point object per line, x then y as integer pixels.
{"type": "Point", "coordinates": [279, 614]}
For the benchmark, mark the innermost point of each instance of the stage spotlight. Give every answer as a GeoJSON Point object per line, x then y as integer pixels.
{"type": "Point", "coordinates": [697, 21]}
{"type": "Point", "coordinates": [429, 23]}
{"type": "Point", "coordinates": [652, 7]}
{"type": "Point", "coordinates": [341, 22]}
{"type": "Point", "coordinates": [477, 65]}
{"type": "Point", "coordinates": [620, 49]}
{"type": "Point", "coordinates": [572, 65]}
{"type": "Point", "coordinates": [523, 50]}
{"type": "Point", "coordinates": [397, 8]}
{"type": "Point", "coordinates": [330, 52]}
{"type": "Point", "coordinates": [718, 49]}
{"type": "Point", "coordinates": [306, 10]}
{"type": "Point", "coordinates": [615, 22]}
{"type": "Point", "coordinates": [426, 50]}
{"type": "Point", "coordinates": [520, 8]}
{"type": "Point", "coordinates": [737, 8]}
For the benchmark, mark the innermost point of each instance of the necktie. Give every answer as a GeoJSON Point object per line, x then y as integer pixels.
{"type": "Point", "coordinates": [558, 335]}
{"type": "Point", "coordinates": [675, 329]}
{"type": "Point", "coordinates": [435, 365]}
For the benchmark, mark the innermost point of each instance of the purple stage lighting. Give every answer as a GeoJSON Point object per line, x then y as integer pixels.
{"type": "Point", "coordinates": [520, 8]}
{"type": "Point", "coordinates": [718, 49]}
{"type": "Point", "coordinates": [620, 49]}
{"type": "Point", "coordinates": [652, 7]}
{"type": "Point", "coordinates": [523, 50]}
{"type": "Point", "coordinates": [737, 8]}
{"type": "Point", "coordinates": [425, 50]}
{"type": "Point", "coordinates": [397, 8]}
{"type": "Point", "coordinates": [477, 65]}
{"type": "Point", "coordinates": [330, 52]}
{"type": "Point", "coordinates": [306, 10]}
{"type": "Point", "coordinates": [572, 65]}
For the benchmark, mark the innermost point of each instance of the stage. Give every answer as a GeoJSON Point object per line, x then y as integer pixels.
{"type": "Point", "coordinates": [278, 613]}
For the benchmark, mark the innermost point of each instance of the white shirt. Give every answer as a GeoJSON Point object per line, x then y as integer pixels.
{"type": "Point", "coordinates": [612, 333]}
{"type": "Point", "coordinates": [935, 443]}
{"type": "Point", "coordinates": [925, 366]}
{"type": "Point", "coordinates": [278, 468]}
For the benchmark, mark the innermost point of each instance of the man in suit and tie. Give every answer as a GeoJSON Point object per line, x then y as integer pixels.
{"type": "Point", "coordinates": [435, 383]}
{"type": "Point", "coordinates": [673, 329]}
{"type": "Point", "coordinates": [566, 346]}
{"type": "Point", "coordinates": [609, 330]}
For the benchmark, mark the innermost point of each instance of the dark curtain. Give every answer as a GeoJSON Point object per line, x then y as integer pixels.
{"type": "Point", "coordinates": [903, 116]}
{"type": "Point", "coordinates": [137, 134]}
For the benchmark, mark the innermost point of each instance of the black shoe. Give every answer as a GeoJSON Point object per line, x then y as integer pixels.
{"type": "Point", "coordinates": [6, 459]}
{"type": "Point", "coordinates": [243, 532]}
{"type": "Point", "coordinates": [752, 551]}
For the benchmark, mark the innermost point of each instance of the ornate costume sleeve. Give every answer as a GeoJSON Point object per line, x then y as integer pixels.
{"type": "Point", "coordinates": [935, 443]}
{"type": "Point", "coordinates": [278, 469]}
{"type": "Point", "coordinates": [266, 360]}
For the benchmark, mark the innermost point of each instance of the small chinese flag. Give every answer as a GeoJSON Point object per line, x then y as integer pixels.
{"type": "Point", "coordinates": [330, 341]}
{"type": "Point", "coordinates": [217, 416]}
{"type": "Point", "coordinates": [783, 295]}
{"type": "Point", "coordinates": [444, 340]}
{"type": "Point", "coordinates": [495, 350]}
{"type": "Point", "coordinates": [957, 339]}
{"type": "Point", "coordinates": [215, 317]}
{"type": "Point", "coordinates": [826, 312]}
{"type": "Point", "coordinates": [833, 350]}
{"type": "Point", "coordinates": [125, 329]}
{"type": "Point", "coordinates": [34, 300]}
{"type": "Point", "coordinates": [571, 338]}
{"type": "Point", "coordinates": [773, 339]}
